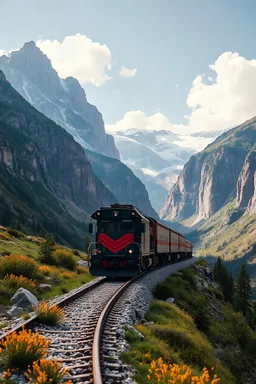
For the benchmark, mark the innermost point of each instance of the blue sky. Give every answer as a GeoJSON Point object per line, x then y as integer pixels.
{"type": "Point", "coordinates": [170, 43]}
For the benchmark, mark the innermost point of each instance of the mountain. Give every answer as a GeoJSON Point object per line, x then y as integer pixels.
{"type": "Point", "coordinates": [119, 179]}
{"type": "Point", "coordinates": [246, 185]}
{"type": "Point", "coordinates": [46, 181]}
{"type": "Point", "coordinates": [157, 157]}
{"type": "Point", "coordinates": [213, 177]}
{"type": "Point", "coordinates": [30, 72]}
{"type": "Point", "coordinates": [62, 100]}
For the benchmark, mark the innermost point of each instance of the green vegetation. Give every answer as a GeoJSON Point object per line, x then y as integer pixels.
{"type": "Point", "coordinates": [65, 259]}
{"type": "Point", "coordinates": [243, 292]}
{"type": "Point", "coordinates": [224, 279]}
{"type": "Point", "coordinates": [49, 315]}
{"type": "Point", "coordinates": [46, 250]}
{"type": "Point", "coordinates": [22, 266]}
{"type": "Point", "coordinates": [199, 330]}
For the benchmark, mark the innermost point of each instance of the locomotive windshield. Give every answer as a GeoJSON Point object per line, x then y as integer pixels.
{"type": "Point", "coordinates": [108, 226]}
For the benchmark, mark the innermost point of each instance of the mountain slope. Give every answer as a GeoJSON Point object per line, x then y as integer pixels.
{"type": "Point", "coordinates": [62, 100]}
{"type": "Point", "coordinates": [46, 180]}
{"type": "Point", "coordinates": [209, 179]}
{"type": "Point", "coordinates": [120, 180]}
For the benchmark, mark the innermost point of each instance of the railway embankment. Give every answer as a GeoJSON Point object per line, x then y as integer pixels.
{"type": "Point", "coordinates": [189, 330]}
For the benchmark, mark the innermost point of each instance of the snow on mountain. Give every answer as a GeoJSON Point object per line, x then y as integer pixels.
{"type": "Point", "coordinates": [157, 157]}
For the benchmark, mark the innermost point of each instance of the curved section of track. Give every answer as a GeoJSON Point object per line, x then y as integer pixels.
{"type": "Point", "coordinates": [77, 342]}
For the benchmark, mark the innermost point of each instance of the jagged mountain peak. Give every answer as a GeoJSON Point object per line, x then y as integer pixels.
{"type": "Point", "coordinates": [64, 101]}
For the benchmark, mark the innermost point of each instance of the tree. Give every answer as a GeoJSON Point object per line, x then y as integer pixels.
{"type": "Point", "coordinates": [243, 291]}
{"type": "Point", "coordinates": [225, 280]}
{"type": "Point", "coordinates": [46, 250]}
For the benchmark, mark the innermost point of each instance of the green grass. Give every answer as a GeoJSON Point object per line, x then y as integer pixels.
{"type": "Point", "coordinates": [65, 285]}
{"type": "Point", "coordinates": [60, 284]}
{"type": "Point", "coordinates": [186, 332]}
{"type": "Point", "coordinates": [19, 247]}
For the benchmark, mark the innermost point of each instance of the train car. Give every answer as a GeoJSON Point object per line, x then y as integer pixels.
{"type": "Point", "coordinates": [189, 248]}
{"type": "Point", "coordinates": [128, 242]}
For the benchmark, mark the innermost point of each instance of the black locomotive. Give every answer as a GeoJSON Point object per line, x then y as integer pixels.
{"type": "Point", "coordinates": [128, 242]}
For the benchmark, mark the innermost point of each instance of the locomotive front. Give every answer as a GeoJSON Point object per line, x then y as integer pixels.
{"type": "Point", "coordinates": [121, 240]}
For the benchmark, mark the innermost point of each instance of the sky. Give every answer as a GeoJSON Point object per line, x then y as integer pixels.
{"type": "Point", "coordinates": [184, 65]}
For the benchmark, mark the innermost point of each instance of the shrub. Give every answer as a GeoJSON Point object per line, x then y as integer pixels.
{"type": "Point", "coordinates": [50, 271]}
{"type": "Point", "coordinates": [19, 350]}
{"type": "Point", "coordinates": [81, 270]}
{"type": "Point", "coordinates": [16, 282]}
{"type": "Point", "coordinates": [4, 236]}
{"type": "Point", "coordinates": [5, 293]}
{"type": "Point", "coordinates": [67, 275]}
{"type": "Point", "coordinates": [46, 250]}
{"type": "Point", "coordinates": [15, 233]}
{"type": "Point", "coordinates": [18, 265]}
{"type": "Point", "coordinates": [159, 372]}
{"type": "Point", "coordinates": [49, 315]}
{"type": "Point", "coordinates": [65, 259]}
{"type": "Point", "coordinates": [76, 253]}
{"type": "Point", "coordinates": [46, 371]}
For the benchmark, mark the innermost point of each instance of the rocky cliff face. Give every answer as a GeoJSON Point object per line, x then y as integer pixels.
{"type": "Point", "coordinates": [121, 181]}
{"type": "Point", "coordinates": [209, 179]}
{"type": "Point", "coordinates": [246, 184]}
{"type": "Point", "coordinates": [43, 169]}
{"type": "Point", "coordinates": [63, 100]}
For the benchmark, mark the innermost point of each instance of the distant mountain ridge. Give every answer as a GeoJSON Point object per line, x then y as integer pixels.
{"type": "Point", "coordinates": [121, 181]}
{"type": "Point", "coordinates": [62, 100]}
{"type": "Point", "coordinates": [156, 157]}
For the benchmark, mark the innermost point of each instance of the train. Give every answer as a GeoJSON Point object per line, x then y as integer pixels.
{"type": "Point", "coordinates": [127, 242]}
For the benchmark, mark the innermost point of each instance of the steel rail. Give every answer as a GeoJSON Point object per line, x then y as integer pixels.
{"type": "Point", "coordinates": [96, 365]}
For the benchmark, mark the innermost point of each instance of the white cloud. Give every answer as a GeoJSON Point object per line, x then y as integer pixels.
{"type": "Point", "coordinates": [80, 57]}
{"type": "Point", "coordinates": [2, 52]}
{"type": "Point", "coordinates": [229, 100]}
{"type": "Point", "coordinates": [138, 120]}
{"type": "Point", "coordinates": [126, 72]}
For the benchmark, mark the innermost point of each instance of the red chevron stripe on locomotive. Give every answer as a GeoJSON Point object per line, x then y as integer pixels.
{"type": "Point", "coordinates": [115, 246]}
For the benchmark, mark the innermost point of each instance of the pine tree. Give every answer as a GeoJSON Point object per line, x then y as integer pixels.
{"type": "Point", "coordinates": [243, 291]}
{"type": "Point", "coordinates": [224, 279]}
{"type": "Point", "coordinates": [46, 250]}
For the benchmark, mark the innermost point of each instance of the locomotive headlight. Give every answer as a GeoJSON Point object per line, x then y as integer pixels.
{"type": "Point", "coordinates": [99, 251]}
{"type": "Point", "coordinates": [130, 251]}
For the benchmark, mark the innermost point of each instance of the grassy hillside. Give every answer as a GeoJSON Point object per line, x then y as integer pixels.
{"type": "Point", "coordinates": [20, 255]}
{"type": "Point", "coordinates": [198, 330]}
{"type": "Point", "coordinates": [229, 234]}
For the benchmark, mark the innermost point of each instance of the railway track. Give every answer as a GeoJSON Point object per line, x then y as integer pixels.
{"type": "Point", "coordinates": [84, 342]}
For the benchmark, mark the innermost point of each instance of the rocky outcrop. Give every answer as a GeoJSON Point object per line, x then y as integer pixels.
{"type": "Point", "coordinates": [246, 184]}
{"type": "Point", "coordinates": [209, 179]}
{"type": "Point", "coordinates": [24, 299]}
{"type": "Point", "coordinates": [63, 100]}
{"type": "Point", "coordinates": [45, 176]}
